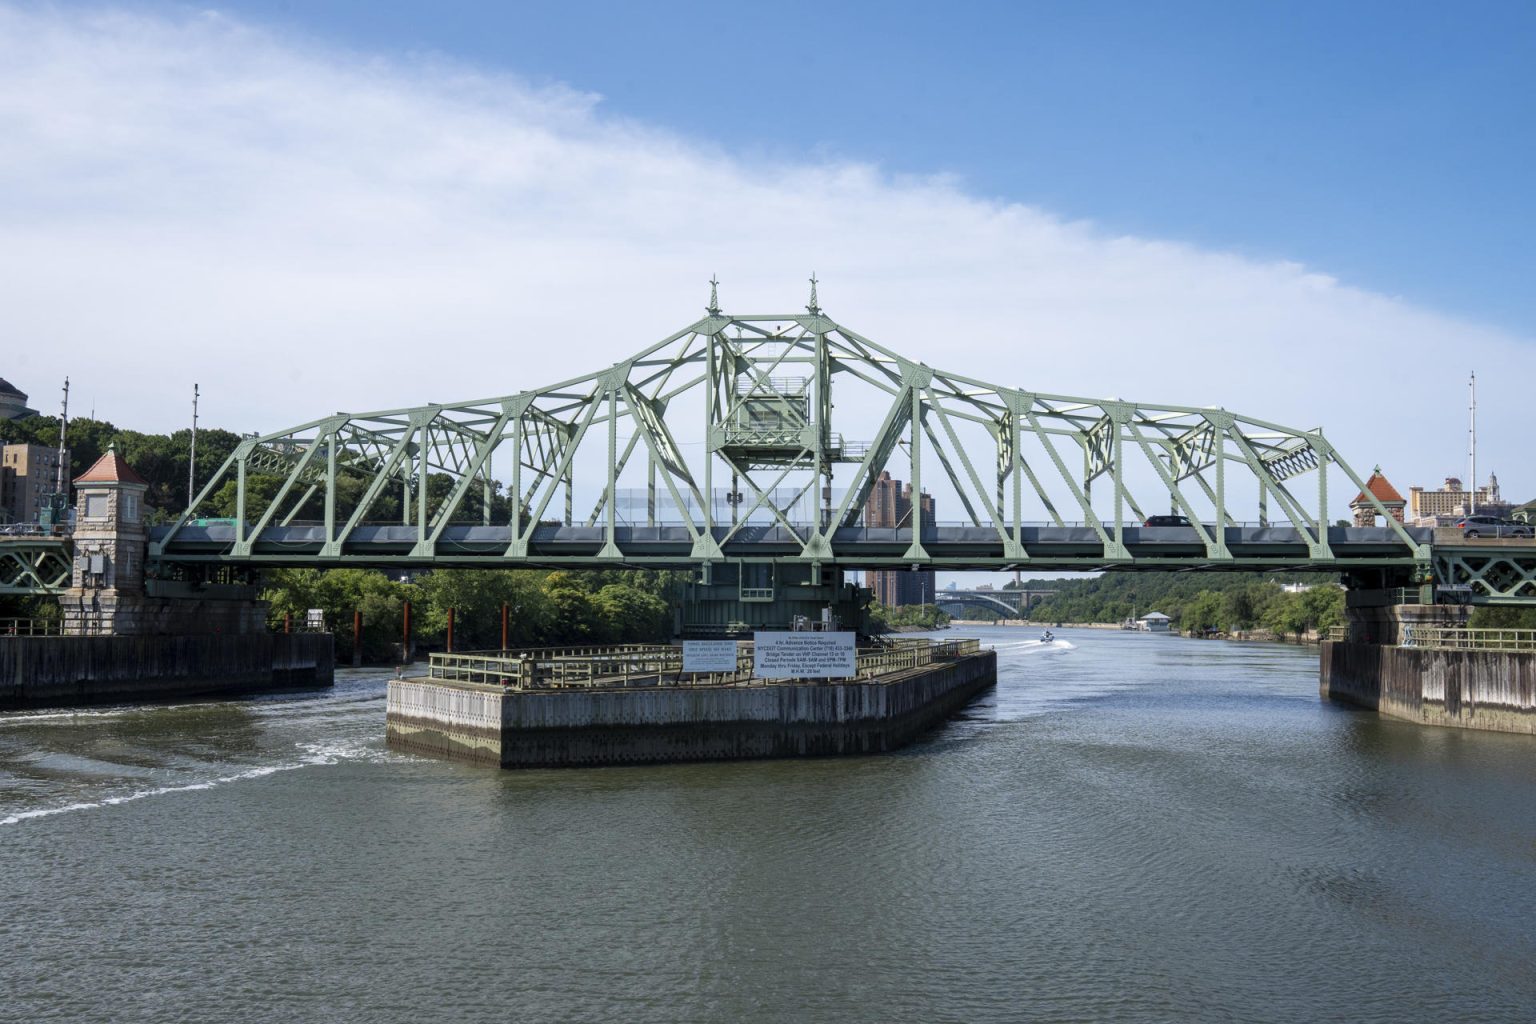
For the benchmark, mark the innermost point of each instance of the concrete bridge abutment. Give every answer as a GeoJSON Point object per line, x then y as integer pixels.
{"type": "Point", "coordinates": [1472, 689]}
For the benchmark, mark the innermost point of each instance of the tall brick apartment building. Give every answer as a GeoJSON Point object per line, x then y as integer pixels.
{"type": "Point", "coordinates": [890, 504]}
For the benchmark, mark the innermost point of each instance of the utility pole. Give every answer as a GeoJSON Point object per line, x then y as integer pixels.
{"type": "Point", "coordinates": [192, 459]}
{"type": "Point", "coordinates": [1472, 442]}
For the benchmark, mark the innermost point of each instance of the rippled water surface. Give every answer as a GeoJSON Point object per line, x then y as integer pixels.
{"type": "Point", "coordinates": [1130, 828]}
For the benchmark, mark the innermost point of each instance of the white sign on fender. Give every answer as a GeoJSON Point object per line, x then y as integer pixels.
{"type": "Point", "coordinates": [709, 655]}
{"type": "Point", "coordinates": [804, 656]}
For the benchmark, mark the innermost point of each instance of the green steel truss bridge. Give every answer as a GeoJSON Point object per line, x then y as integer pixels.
{"type": "Point", "coordinates": [764, 437]}
{"type": "Point", "coordinates": [751, 448]}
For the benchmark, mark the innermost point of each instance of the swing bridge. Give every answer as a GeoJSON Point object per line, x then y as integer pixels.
{"type": "Point", "coordinates": [754, 450]}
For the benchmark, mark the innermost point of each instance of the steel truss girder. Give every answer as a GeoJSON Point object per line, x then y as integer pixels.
{"type": "Point", "coordinates": [34, 565]}
{"type": "Point", "coordinates": [762, 387]}
{"type": "Point", "coordinates": [1495, 575]}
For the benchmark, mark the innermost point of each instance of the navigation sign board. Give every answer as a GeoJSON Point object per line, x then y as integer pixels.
{"type": "Point", "coordinates": [804, 655]}
{"type": "Point", "coordinates": [709, 655]}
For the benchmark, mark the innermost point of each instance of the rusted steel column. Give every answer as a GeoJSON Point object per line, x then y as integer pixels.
{"type": "Point", "coordinates": [357, 638]}
{"type": "Point", "coordinates": [449, 645]}
{"type": "Point", "coordinates": [287, 622]}
{"type": "Point", "coordinates": [406, 637]}
{"type": "Point", "coordinates": [504, 634]}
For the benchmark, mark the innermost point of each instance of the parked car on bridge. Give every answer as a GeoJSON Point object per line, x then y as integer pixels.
{"type": "Point", "coordinates": [1492, 526]}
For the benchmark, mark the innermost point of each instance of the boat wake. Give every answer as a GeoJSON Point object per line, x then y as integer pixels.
{"type": "Point", "coordinates": [314, 754]}
{"type": "Point", "coordinates": [1038, 647]}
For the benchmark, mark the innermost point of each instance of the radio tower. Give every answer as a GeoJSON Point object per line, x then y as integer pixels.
{"type": "Point", "coordinates": [1472, 442]}
{"type": "Point", "coordinates": [192, 454]}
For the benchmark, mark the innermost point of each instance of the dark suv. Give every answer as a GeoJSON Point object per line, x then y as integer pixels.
{"type": "Point", "coordinates": [1167, 521]}
{"type": "Point", "coordinates": [1492, 526]}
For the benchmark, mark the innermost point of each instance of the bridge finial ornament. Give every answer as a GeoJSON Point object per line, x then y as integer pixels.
{"type": "Point", "coordinates": [713, 309]}
{"type": "Point", "coordinates": [813, 308]}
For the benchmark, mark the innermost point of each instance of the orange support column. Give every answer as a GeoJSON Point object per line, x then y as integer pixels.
{"type": "Point", "coordinates": [408, 650]}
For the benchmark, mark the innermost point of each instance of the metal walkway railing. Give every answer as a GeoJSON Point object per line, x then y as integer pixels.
{"type": "Point", "coordinates": [624, 665]}
{"type": "Point", "coordinates": [1456, 638]}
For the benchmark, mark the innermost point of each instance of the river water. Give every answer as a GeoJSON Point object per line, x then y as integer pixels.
{"type": "Point", "coordinates": [1130, 828]}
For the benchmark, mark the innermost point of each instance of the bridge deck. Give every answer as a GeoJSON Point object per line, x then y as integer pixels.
{"type": "Point", "coordinates": [954, 547]}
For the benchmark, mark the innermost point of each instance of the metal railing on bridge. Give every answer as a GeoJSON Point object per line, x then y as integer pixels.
{"type": "Point", "coordinates": [31, 627]}
{"type": "Point", "coordinates": [626, 665]}
{"type": "Point", "coordinates": [1458, 638]}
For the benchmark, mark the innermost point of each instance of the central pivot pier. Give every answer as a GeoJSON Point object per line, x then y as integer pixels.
{"type": "Point", "coordinates": [636, 704]}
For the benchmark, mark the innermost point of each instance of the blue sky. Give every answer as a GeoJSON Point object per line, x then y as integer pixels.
{"type": "Point", "coordinates": [1314, 219]}
{"type": "Point", "coordinates": [1387, 144]}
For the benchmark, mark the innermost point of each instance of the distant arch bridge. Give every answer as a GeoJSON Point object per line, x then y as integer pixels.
{"type": "Point", "coordinates": [1010, 604]}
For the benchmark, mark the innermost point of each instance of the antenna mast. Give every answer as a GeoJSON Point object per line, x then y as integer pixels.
{"type": "Point", "coordinates": [1472, 441]}
{"type": "Point", "coordinates": [58, 483]}
{"type": "Point", "coordinates": [192, 459]}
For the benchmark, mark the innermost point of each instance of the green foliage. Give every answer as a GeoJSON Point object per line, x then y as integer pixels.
{"type": "Point", "coordinates": [1207, 611]}
{"type": "Point", "coordinates": [544, 608]}
{"type": "Point", "coordinates": [476, 596]}
{"type": "Point", "coordinates": [1502, 616]}
{"type": "Point", "coordinates": [883, 618]}
{"type": "Point", "coordinates": [29, 606]}
{"type": "Point", "coordinates": [1196, 602]}
{"type": "Point", "coordinates": [631, 615]}
{"type": "Point", "coordinates": [338, 593]}
{"type": "Point", "coordinates": [1312, 610]}
{"type": "Point", "coordinates": [162, 459]}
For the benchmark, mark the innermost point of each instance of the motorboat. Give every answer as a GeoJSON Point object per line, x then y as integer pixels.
{"type": "Point", "coordinates": [1047, 637]}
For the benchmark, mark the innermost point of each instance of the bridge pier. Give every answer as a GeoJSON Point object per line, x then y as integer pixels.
{"type": "Point", "coordinates": [661, 718]}
{"type": "Point", "coordinates": [1416, 662]}
{"type": "Point", "coordinates": [128, 638]}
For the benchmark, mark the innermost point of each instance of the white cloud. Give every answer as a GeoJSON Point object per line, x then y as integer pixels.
{"type": "Point", "coordinates": [302, 230]}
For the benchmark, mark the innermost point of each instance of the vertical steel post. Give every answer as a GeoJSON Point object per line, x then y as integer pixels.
{"type": "Point", "coordinates": [709, 427]}
{"type": "Point", "coordinates": [1222, 518]}
{"type": "Point", "coordinates": [822, 471]}
{"type": "Point", "coordinates": [517, 479]}
{"type": "Point", "coordinates": [613, 463]}
{"type": "Point", "coordinates": [650, 487]}
{"type": "Point", "coordinates": [240, 501]}
{"type": "Point", "coordinates": [1119, 488]}
{"type": "Point", "coordinates": [1322, 497]}
{"type": "Point", "coordinates": [1015, 418]}
{"type": "Point", "coordinates": [449, 645]}
{"type": "Point", "coordinates": [424, 438]}
{"type": "Point", "coordinates": [330, 489]}
{"type": "Point", "coordinates": [287, 622]}
{"type": "Point", "coordinates": [917, 467]}
{"type": "Point", "coordinates": [405, 644]}
{"type": "Point", "coordinates": [505, 634]}
{"type": "Point", "coordinates": [357, 638]}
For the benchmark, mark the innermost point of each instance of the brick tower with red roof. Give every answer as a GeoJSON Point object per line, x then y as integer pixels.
{"type": "Point", "coordinates": [106, 591]}
{"type": "Point", "coordinates": [1381, 488]}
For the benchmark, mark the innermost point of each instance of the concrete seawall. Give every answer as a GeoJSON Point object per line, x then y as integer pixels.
{"type": "Point", "coordinates": [1469, 689]}
{"type": "Point", "coordinates": [65, 671]}
{"type": "Point", "coordinates": [555, 728]}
